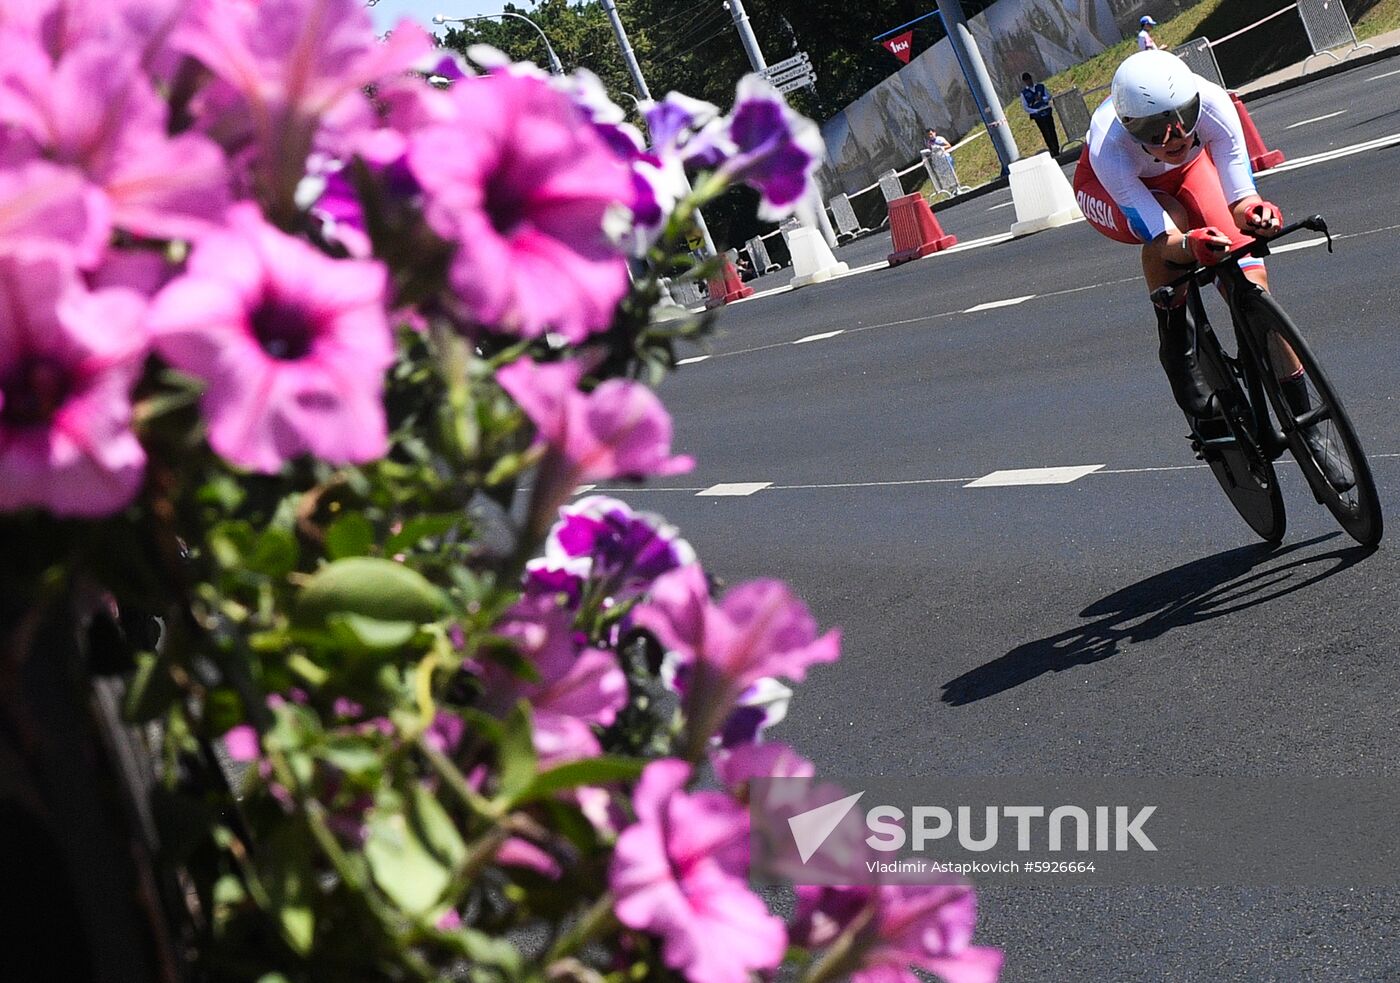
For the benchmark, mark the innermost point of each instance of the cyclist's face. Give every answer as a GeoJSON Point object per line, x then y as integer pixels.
{"type": "Point", "coordinates": [1173, 151]}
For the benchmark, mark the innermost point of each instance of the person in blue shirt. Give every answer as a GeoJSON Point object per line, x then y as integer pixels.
{"type": "Point", "coordinates": [1036, 98]}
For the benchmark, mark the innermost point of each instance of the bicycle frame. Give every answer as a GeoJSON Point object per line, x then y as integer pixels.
{"type": "Point", "coordinates": [1252, 352]}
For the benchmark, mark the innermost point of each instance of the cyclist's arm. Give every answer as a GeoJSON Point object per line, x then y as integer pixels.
{"type": "Point", "coordinates": [1223, 138]}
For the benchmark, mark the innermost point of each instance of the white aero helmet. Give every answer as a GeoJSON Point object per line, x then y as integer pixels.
{"type": "Point", "coordinates": [1156, 97]}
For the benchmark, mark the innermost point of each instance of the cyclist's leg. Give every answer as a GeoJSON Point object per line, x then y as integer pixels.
{"type": "Point", "coordinates": [1176, 349]}
{"type": "Point", "coordinates": [1204, 199]}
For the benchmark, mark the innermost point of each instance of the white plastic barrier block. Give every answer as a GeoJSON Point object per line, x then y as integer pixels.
{"type": "Point", "coordinates": [812, 261]}
{"type": "Point", "coordinates": [1042, 195]}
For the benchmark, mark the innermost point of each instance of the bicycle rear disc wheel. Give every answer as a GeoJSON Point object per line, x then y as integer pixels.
{"type": "Point", "coordinates": [1357, 509]}
{"type": "Point", "coordinates": [1252, 488]}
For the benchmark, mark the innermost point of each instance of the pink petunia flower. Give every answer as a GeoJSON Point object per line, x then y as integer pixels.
{"type": "Point", "coordinates": [68, 361]}
{"type": "Point", "coordinates": [293, 346]}
{"type": "Point", "coordinates": [758, 629]}
{"type": "Point", "coordinates": [97, 111]}
{"type": "Point", "coordinates": [577, 689]}
{"type": "Point", "coordinates": [928, 927]}
{"type": "Point", "coordinates": [620, 430]}
{"type": "Point", "coordinates": [678, 873]}
{"type": "Point", "coordinates": [289, 73]}
{"type": "Point", "coordinates": [52, 207]}
{"type": "Point", "coordinates": [522, 185]}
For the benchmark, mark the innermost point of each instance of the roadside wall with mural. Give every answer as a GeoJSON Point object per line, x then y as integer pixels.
{"type": "Point", "coordinates": [883, 129]}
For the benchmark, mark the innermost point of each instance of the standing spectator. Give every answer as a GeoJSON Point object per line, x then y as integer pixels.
{"type": "Point", "coordinates": [1036, 98]}
{"type": "Point", "coordinates": [1145, 40]}
{"type": "Point", "coordinates": [935, 143]}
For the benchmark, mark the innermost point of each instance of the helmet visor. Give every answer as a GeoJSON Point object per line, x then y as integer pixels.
{"type": "Point", "coordinates": [1158, 128]}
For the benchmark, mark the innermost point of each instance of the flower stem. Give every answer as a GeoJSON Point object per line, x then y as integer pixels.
{"type": "Point", "coordinates": [596, 921]}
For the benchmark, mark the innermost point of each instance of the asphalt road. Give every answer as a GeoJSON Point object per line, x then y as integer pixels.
{"type": "Point", "coordinates": [1125, 623]}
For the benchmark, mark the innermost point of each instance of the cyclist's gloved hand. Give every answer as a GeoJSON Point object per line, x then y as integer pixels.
{"type": "Point", "coordinates": [1209, 245]}
{"type": "Point", "coordinates": [1263, 218]}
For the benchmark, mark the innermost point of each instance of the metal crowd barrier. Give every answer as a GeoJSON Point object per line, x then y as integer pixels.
{"type": "Point", "coordinates": [1328, 27]}
{"type": "Point", "coordinates": [1199, 56]}
{"type": "Point", "coordinates": [847, 225]}
{"type": "Point", "coordinates": [943, 174]}
{"type": "Point", "coordinates": [1074, 115]}
{"type": "Point", "coordinates": [758, 255]}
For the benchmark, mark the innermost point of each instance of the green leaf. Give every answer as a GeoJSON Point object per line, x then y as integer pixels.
{"type": "Point", "coordinates": [298, 927]}
{"type": "Point", "coordinates": [274, 553]}
{"type": "Point", "coordinates": [589, 771]}
{"type": "Point", "coordinates": [412, 859]}
{"type": "Point", "coordinates": [516, 752]}
{"type": "Point", "coordinates": [353, 755]}
{"type": "Point", "coordinates": [423, 527]}
{"type": "Point", "coordinates": [350, 535]}
{"type": "Point", "coordinates": [371, 634]}
{"type": "Point", "coordinates": [152, 691]}
{"type": "Point", "coordinates": [372, 587]}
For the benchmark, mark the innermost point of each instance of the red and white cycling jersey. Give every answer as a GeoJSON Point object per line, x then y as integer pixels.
{"type": "Point", "coordinates": [1116, 176]}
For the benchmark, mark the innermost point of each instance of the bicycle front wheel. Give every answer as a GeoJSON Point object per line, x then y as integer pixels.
{"type": "Point", "coordinates": [1357, 508]}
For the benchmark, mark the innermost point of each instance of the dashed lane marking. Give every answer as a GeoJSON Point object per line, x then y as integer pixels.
{"type": "Point", "coordinates": [1383, 75]}
{"type": "Point", "coordinates": [1315, 119]}
{"type": "Point", "coordinates": [1034, 476]}
{"type": "Point", "coordinates": [819, 337]}
{"type": "Point", "coordinates": [1004, 204]}
{"type": "Point", "coordinates": [993, 304]}
{"type": "Point", "coordinates": [1380, 143]}
{"type": "Point", "coordinates": [735, 488]}
{"type": "Point", "coordinates": [1289, 247]}
{"type": "Point", "coordinates": [692, 360]}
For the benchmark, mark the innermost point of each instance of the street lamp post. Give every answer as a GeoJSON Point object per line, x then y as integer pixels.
{"type": "Point", "coordinates": [555, 67]}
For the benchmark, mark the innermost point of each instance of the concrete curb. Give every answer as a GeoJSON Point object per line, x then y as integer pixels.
{"type": "Point", "coordinates": [1338, 68]}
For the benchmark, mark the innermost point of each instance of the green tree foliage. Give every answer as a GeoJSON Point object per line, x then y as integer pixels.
{"type": "Point", "coordinates": [692, 46]}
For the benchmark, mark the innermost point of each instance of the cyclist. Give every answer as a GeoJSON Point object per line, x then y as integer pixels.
{"type": "Point", "coordinates": [1165, 166]}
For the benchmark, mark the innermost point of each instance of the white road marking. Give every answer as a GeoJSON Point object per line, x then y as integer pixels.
{"type": "Point", "coordinates": [1383, 75]}
{"type": "Point", "coordinates": [819, 337]}
{"type": "Point", "coordinates": [1034, 476]}
{"type": "Point", "coordinates": [692, 360]}
{"type": "Point", "coordinates": [736, 488]}
{"type": "Point", "coordinates": [583, 489]}
{"type": "Point", "coordinates": [1315, 119]}
{"type": "Point", "coordinates": [1004, 204]}
{"type": "Point", "coordinates": [992, 304]}
{"type": "Point", "coordinates": [1289, 247]}
{"type": "Point", "coordinates": [977, 243]}
{"type": "Point", "coordinates": [1357, 148]}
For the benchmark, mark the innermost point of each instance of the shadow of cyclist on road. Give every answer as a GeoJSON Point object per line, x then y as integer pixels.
{"type": "Point", "coordinates": [1214, 586]}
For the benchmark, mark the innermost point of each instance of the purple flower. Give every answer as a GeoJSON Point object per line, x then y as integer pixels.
{"type": "Point", "coordinates": [678, 873]}
{"type": "Point", "coordinates": [523, 187]}
{"type": "Point", "coordinates": [68, 362]}
{"type": "Point", "coordinates": [928, 927]}
{"type": "Point", "coordinates": [757, 630]}
{"type": "Point", "coordinates": [624, 550]}
{"type": "Point", "coordinates": [771, 148]}
{"type": "Point", "coordinates": [292, 345]}
{"type": "Point", "coordinates": [763, 704]}
{"type": "Point", "coordinates": [762, 142]}
{"type": "Point", "coordinates": [576, 689]}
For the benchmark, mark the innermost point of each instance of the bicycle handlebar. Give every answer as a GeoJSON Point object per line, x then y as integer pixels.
{"type": "Point", "coordinates": [1163, 296]}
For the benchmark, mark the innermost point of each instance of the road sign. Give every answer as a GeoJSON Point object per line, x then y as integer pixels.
{"type": "Point", "coordinates": [778, 78]}
{"type": "Point", "coordinates": [801, 58]}
{"type": "Point", "coordinates": [797, 83]}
